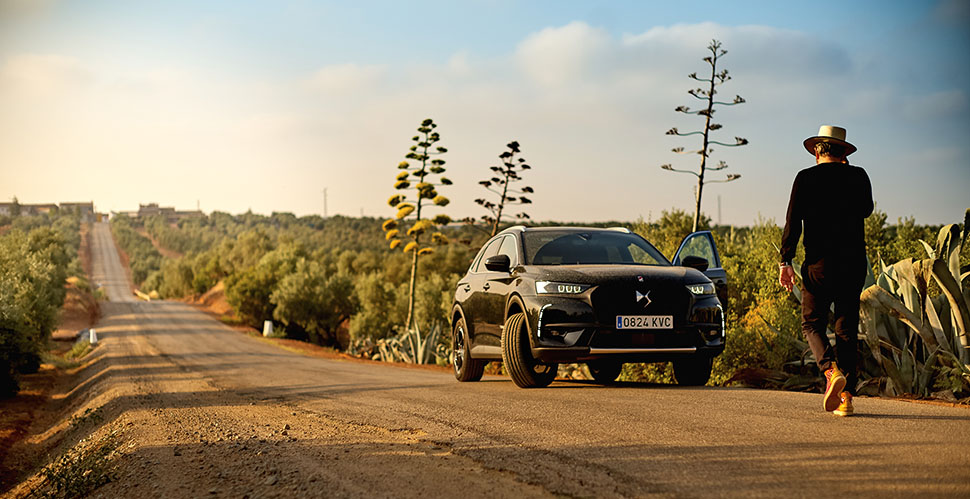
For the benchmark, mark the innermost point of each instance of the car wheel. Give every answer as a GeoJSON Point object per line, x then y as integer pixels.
{"type": "Point", "coordinates": [604, 371]}
{"type": "Point", "coordinates": [694, 371]}
{"type": "Point", "coordinates": [526, 372]}
{"type": "Point", "coordinates": [466, 368]}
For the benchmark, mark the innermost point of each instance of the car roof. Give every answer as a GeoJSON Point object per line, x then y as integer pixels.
{"type": "Point", "coordinates": [523, 228]}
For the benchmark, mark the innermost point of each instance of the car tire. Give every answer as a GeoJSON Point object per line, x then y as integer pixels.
{"type": "Point", "coordinates": [526, 372]}
{"type": "Point", "coordinates": [466, 368]}
{"type": "Point", "coordinates": [695, 371]}
{"type": "Point", "coordinates": [604, 372]}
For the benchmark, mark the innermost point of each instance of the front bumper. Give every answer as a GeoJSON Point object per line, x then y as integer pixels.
{"type": "Point", "coordinates": [566, 330]}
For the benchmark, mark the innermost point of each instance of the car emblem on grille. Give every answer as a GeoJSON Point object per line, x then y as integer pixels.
{"type": "Point", "coordinates": [639, 278]}
{"type": "Point", "coordinates": [641, 296]}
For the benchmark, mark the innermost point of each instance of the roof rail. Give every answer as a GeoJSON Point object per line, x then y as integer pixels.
{"type": "Point", "coordinates": [620, 229]}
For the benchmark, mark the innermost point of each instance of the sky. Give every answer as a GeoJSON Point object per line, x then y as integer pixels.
{"type": "Point", "coordinates": [237, 105]}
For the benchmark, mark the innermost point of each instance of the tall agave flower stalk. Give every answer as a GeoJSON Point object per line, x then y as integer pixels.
{"type": "Point", "coordinates": [418, 191]}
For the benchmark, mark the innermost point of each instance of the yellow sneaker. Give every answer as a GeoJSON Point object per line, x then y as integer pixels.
{"type": "Point", "coordinates": [845, 408]}
{"type": "Point", "coordinates": [835, 383]}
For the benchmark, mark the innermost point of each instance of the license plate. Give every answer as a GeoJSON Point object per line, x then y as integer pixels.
{"type": "Point", "coordinates": [644, 322]}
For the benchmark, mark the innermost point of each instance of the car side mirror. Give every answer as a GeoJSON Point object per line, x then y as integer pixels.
{"type": "Point", "coordinates": [695, 262]}
{"type": "Point", "coordinates": [498, 263]}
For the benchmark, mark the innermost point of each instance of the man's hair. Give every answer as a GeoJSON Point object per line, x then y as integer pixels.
{"type": "Point", "coordinates": [830, 149]}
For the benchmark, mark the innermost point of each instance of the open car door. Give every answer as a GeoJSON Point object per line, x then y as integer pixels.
{"type": "Point", "coordinates": [701, 244]}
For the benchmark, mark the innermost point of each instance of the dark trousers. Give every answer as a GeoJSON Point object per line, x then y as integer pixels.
{"type": "Point", "coordinates": [826, 284]}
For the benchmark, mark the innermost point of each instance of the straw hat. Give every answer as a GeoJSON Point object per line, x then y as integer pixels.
{"type": "Point", "coordinates": [832, 134]}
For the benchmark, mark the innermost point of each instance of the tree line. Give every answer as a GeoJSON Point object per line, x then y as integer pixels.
{"type": "Point", "coordinates": [37, 255]}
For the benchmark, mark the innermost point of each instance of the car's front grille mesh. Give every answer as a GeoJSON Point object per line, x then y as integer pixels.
{"type": "Point", "coordinates": [612, 299]}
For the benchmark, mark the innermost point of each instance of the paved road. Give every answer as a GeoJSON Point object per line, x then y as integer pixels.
{"type": "Point", "coordinates": [213, 411]}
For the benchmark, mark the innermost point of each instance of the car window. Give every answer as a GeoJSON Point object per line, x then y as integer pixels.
{"type": "Point", "coordinates": [589, 248]}
{"type": "Point", "coordinates": [643, 256]}
{"type": "Point", "coordinates": [508, 249]}
{"type": "Point", "coordinates": [702, 246]}
{"type": "Point", "coordinates": [490, 250]}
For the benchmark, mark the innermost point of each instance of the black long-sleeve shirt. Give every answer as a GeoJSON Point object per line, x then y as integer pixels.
{"type": "Point", "coordinates": [833, 201]}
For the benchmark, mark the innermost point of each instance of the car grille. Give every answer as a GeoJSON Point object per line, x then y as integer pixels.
{"type": "Point", "coordinates": [612, 299]}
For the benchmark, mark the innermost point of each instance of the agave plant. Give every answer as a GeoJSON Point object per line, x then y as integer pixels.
{"type": "Point", "coordinates": [914, 337]}
{"type": "Point", "coordinates": [912, 334]}
{"type": "Point", "coordinates": [412, 347]}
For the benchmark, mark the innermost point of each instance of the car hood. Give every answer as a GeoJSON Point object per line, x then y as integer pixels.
{"type": "Point", "coordinates": [599, 274]}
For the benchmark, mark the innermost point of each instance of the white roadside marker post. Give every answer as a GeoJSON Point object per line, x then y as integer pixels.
{"type": "Point", "coordinates": [92, 336]}
{"type": "Point", "coordinates": [267, 328]}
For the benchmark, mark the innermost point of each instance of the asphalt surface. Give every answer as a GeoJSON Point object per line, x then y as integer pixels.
{"type": "Point", "coordinates": [365, 429]}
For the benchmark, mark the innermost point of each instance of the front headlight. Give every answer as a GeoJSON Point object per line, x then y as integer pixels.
{"type": "Point", "coordinates": [560, 288]}
{"type": "Point", "coordinates": [706, 288]}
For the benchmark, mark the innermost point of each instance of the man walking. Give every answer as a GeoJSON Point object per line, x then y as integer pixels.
{"type": "Point", "coordinates": [832, 200]}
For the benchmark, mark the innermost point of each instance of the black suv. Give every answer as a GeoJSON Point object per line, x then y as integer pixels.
{"type": "Point", "coordinates": [535, 297]}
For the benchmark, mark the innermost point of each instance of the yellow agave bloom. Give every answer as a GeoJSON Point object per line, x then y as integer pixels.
{"type": "Point", "coordinates": [404, 209]}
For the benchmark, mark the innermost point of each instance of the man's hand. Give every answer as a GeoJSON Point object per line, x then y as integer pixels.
{"type": "Point", "coordinates": [786, 277]}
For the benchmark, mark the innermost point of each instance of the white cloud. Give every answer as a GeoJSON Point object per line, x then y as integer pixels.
{"type": "Point", "coordinates": [343, 79]}
{"type": "Point", "coordinates": [43, 75]}
{"type": "Point", "coordinates": [560, 56]}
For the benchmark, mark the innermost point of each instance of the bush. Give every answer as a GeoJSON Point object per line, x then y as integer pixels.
{"type": "Point", "coordinates": [311, 304]}
{"type": "Point", "coordinates": [143, 258]}
{"type": "Point", "coordinates": [33, 271]}
{"type": "Point", "coordinates": [379, 310]}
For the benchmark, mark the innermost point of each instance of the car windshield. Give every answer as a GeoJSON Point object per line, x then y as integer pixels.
{"type": "Point", "coordinates": [589, 248]}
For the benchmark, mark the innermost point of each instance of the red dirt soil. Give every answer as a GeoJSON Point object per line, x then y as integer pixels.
{"type": "Point", "coordinates": [80, 310]}
{"type": "Point", "coordinates": [32, 402]}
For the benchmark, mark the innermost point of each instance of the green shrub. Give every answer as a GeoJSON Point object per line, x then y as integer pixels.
{"type": "Point", "coordinates": [143, 258]}
{"type": "Point", "coordinates": [311, 304]}
{"type": "Point", "coordinates": [33, 270]}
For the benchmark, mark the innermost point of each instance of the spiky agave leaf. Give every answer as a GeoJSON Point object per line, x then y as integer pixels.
{"type": "Point", "coordinates": [410, 246]}
{"type": "Point", "coordinates": [404, 209]}
{"type": "Point", "coordinates": [391, 234]}
{"type": "Point", "coordinates": [389, 224]}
